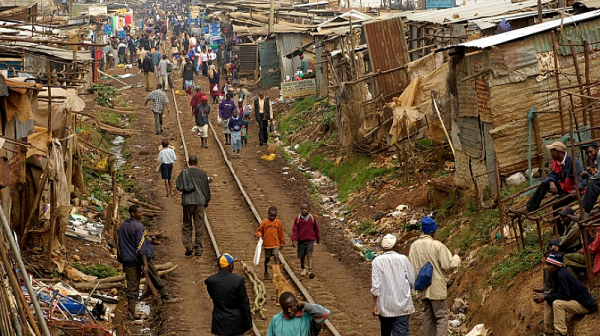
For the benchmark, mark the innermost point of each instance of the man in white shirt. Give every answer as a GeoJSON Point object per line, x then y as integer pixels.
{"type": "Point", "coordinates": [163, 72]}
{"type": "Point", "coordinates": [193, 40]}
{"type": "Point", "coordinates": [392, 279]}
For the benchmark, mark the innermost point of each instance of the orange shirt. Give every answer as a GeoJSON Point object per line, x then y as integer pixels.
{"type": "Point", "coordinates": [271, 233]}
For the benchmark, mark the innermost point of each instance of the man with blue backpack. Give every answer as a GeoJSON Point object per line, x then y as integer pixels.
{"type": "Point", "coordinates": [431, 260]}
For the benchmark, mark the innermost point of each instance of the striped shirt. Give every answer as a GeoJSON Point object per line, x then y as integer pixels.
{"type": "Point", "coordinates": [159, 100]}
{"type": "Point", "coordinates": [392, 279]}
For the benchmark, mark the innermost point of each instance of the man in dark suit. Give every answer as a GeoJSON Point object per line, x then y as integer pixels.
{"type": "Point", "coordinates": [231, 312]}
{"type": "Point", "coordinates": [262, 112]}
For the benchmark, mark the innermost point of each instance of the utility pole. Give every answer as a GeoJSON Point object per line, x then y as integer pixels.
{"type": "Point", "coordinates": [271, 16]}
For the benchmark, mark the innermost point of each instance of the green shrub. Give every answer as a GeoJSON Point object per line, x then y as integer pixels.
{"type": "Point", "coordinates": [100, 270]}
{"type": "Point", "coordinates": [517, 263]}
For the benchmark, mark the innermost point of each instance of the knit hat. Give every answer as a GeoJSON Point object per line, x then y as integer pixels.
{"type": "Point", "coordinates": [555, 259]}
{"type": "Point", "coordinates": [226, 259]}
{"type": "Point", "coordinates": [428, 225]}
{"type": "Point", "coordinates": [388, 241]}
{"type": "Point", "coordinates": [566, 211]}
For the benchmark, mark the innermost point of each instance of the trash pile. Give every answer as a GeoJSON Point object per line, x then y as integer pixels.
{"type": "Point", "coordinates": [334, 210]}
{"type": "Point", "coordinates": [80, 227]}
{"type": "Point", "coordinates": [458, 316]}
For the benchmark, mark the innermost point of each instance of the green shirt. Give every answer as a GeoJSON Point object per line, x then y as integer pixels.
{"type": "Point", "coordinates": [300, 324]}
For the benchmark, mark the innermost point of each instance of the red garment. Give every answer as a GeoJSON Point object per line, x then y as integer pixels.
{"type": "Point", "coordinates": [568, 183]}
{"type": "Point", "coordinates": [595, 250]}
{"type": "Point", "coordinates": [306, 230]}
{"type": "Point", "coordinates": [214, 93]}
{"type": "Point", "coordinates": [196, 99]}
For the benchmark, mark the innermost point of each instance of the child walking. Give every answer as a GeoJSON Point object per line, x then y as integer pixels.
{"type": "Point", "coordinates": [243, 111]}
{"type": "Point", "coordinates": [305, 232]}
{"type": "Point", "coordinates": [166, 158]}
{"type": "Point", "coordinates": [201, 118]}
{"type": "Point", "coordinates": [235, 127]}
{"type": "Point", "coordinates": [245, 125]}
{"type": "Point", "coordinates": [271, 231]}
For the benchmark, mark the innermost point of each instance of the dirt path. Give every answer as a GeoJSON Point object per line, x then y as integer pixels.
{"type": "Point", "coordinates": [343, 287]}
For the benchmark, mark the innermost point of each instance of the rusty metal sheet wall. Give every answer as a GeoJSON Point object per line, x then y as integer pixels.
{"type": "Point", "coordinates": [387, 50]}
{"type": "Point", "coordinates": [248, 58]}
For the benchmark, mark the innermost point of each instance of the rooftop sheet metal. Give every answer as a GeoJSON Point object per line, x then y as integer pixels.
{"type": "Point", "coordinates": [47, 50]}
{"type": "Point", "coordinates": [469, 12]}
{"type": "Point", "coordinates": [527, 31]}
{"type": "Point", "coordinates": [489, 22]}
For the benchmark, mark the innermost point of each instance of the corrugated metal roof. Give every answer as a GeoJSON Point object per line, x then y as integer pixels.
{"type": "Point", "coordinates": [355, 15]}
{"type": "Point", "coordinates": [47, 50]}
{"type": "Point", "coordinates": [469, 12]}
{"type": "Point", "coordinates": [489, 22]}
{"type": "Point", "coordinates": [527, 31]}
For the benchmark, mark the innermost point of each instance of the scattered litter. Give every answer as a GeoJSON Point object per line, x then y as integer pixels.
{"type": "Point", "coordinates": [80, 227]}
{"type": "Point", "coordinates": [478, 330]}
{"type": "Point", "coordinates": [516, 179]}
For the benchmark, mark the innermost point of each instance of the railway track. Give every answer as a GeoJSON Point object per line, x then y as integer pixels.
{"type": "Point", "coordinates": [219, 242]}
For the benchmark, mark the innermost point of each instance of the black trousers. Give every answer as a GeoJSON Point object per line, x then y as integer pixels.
{"type": "Point", "coordinates": [263, 129]}
{"type": "Point", "coordinates": [539, 194]}
{"type": "Point", "coordinates": [591, 195]}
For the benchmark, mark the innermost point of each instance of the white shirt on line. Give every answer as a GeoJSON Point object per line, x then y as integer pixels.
{"type": "Point", "coordinates": [392, 280]}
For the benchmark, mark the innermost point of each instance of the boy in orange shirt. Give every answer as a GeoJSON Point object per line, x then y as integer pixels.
{"type": "Point", "coordinates": [271, 231]}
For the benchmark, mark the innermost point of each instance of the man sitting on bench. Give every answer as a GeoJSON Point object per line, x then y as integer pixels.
{"type": "Point", "coordinates": [560, 179]}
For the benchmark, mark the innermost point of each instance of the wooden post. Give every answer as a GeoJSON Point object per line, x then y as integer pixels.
{"type": "Point", "coordinates": [540, 238]}
{"type": "Point", "coordinates": [22, 304]}
{"type": "Point", "coordinates": [556, 77]}
{"type": "Point", "coordinates": [539, 8]}
{"type": "Point", "coordinates": [352, 53]}
{"type": "Point", "coordinates": [52, 191]}
{"type": "Point", "coordinates": [538, 141]}
{"type": "Point", "coordinates": [499, 199]}
{"type": "Point", "coordinates": [584, 101]}
{"type": "Point", "coordinates": [588, 257]}
{"type": "Point", "coordinates": [271, 18]}
{"type": "Point", "coordinates": [520, 222]}
{"type": "Point", "coordinates": [588, 81]}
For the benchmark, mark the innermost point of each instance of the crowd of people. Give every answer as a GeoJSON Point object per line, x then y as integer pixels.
{"type": "Point", "coordinates": [394, 276]}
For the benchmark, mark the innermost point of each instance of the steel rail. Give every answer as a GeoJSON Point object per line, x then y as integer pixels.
{"type": "Point", "coordinates": [206, 222]}
{"type": "Point", "coordinates": [287, 267]}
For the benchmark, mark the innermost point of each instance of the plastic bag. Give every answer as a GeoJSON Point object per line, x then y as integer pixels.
{"type": "Point", "coordinates": [258, 251]}
{"type": "Point", "coordinates": [219, 120]}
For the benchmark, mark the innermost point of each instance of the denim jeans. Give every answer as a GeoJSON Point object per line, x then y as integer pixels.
{"type": "Point", "coordinates": [394, 326]}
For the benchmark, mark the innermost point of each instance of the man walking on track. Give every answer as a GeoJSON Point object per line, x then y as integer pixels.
{"type": "Point", "coordinates": [148, 70]}
{"type": "Point", "coordinates": [262, 110]}
{"type": "Point", "coordinates": [135, 253]}
{"type": "Point", "coordinates": [195, 196]}
{"type": "Point", "coordinates": [231, 314]}
{"type": "Point", "coordinates": [428, 250]}
{"type": "Point", "coordinates": [159, 105]}
{"type": "Point", "coordinates": [297, 318]}
{"type": "Point", "coordinates": [392, 280]}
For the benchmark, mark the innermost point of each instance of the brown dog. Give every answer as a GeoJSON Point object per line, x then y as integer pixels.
{"type": "Point", "coordinates": [281, 285]}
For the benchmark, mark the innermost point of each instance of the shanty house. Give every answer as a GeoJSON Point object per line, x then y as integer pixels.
{"type": "Point", "coordinates": [495, 81]}
{"type": "Point", "coordinates": [431, 29]}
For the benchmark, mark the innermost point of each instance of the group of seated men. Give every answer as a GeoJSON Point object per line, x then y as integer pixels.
{"type": "Point", "coordinates": [562, 292]}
